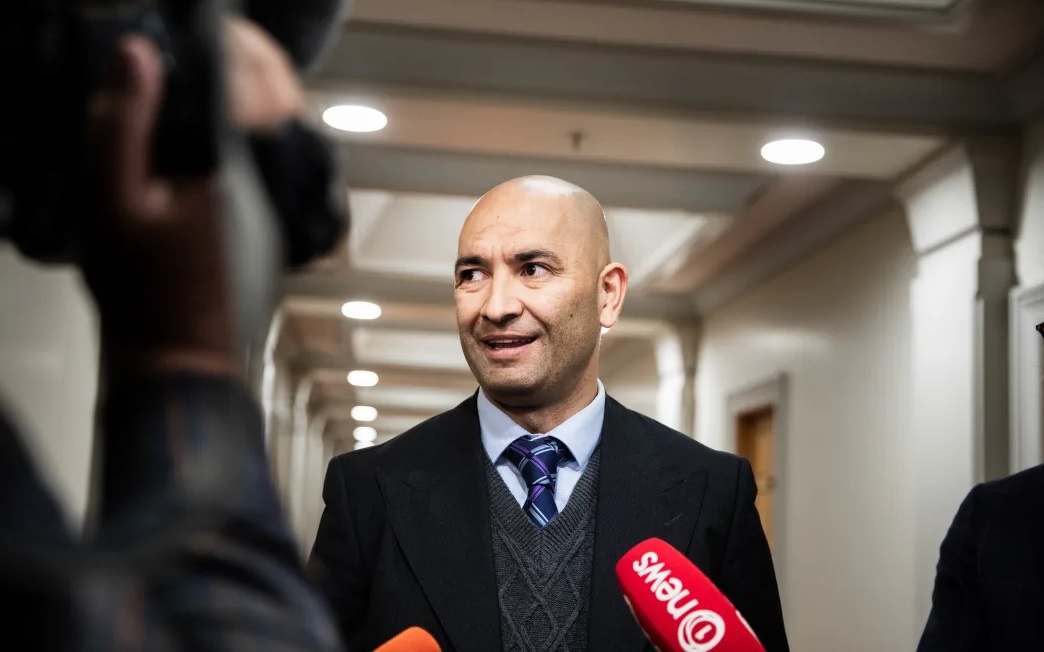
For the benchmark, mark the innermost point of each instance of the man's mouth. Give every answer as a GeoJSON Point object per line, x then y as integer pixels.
{"type": "Point", "coordinates": [498, 343]}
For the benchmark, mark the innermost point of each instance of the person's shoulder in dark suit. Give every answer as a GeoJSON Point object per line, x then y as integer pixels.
{"type": "Point", "coordinates": [989, 586]}
{"type": "Point", "coordinates": [730, 545]}
{"type": "Point", "coordinates": [675, 442]}
{"type": "Point", "coordinates": [354, 518]}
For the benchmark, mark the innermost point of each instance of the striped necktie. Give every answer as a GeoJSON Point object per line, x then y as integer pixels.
{"type": "Point", "coordinates": [537, 458]}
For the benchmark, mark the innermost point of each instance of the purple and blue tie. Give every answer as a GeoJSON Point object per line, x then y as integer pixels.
{"type": "Point", "coordinates": [537, 458]}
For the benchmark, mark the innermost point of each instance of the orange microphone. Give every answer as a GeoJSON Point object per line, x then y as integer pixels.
{"type": "Point", "coordinates": [413, 639]}
{"type": "Point", "coordinates": [677, 607]}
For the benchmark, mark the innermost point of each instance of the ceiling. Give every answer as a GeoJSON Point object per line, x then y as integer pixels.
{"type": "Point", "coordinates": [659, 108]}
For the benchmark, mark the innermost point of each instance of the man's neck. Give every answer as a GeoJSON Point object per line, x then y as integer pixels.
{"type": "Point", "coordinates": [541, 419]}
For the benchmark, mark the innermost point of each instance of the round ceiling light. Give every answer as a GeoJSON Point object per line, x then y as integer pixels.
{"type": "Point", "coordinates": [359, 445]}
{"type": "Point", "coordinates": [355, 118]}
{"type": "Point", "coordinates": [792, 151]}
{"type": "Point", "coordinates": [362, 378]}
{"type": "Point", "coordinates": [364, 413]}
{"type": "Point", "coordinates": [361, 310]}
{"type": "Point", "coordinates": [365, 434]}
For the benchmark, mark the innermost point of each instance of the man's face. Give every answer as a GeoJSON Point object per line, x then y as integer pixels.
{"type": "Point", "coordinates": [527, 297]}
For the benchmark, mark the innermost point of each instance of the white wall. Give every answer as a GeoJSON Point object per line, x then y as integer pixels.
{"type": "Point", "coordinates": [838, 324]}
{"type": "Point", "coordinates": [635, 384]}
{"type": "Point", "coordinates": [1029, 248]}
{"type": "Point", "coordinates": [49, 369]}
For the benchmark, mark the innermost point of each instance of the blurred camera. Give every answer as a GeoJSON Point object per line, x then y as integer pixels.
{"type": "Point", "coordinates": [55, 53]}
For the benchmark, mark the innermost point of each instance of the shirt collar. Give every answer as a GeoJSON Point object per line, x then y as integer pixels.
{"type": "Point", "coordinates": [580, 432]}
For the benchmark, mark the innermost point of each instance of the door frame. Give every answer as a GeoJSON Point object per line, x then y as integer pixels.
{"type": "Point", "coordinates": [1026, 371]}
{"type": "Point", "coordinates": [771, 392]}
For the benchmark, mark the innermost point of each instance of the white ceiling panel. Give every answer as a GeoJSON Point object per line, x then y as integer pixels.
{"type": "Point", "coordinates": [913, 4]}
{"type": "Point", "coordinates": [404, 348]}
{"type": "Point", "coordinates": [838, 6]}
{"type": "Point", "coordinates": [415, 235]}
{"type": "Point", "coordinates": [935, 12]}
{"type": "Point", "coordinates": [411, 398]}
{"type": "Point", "coordinates": [407, 234]}
{"type": "Point", "coordinates": [367, 208]}
{"type": "Point", "coordinates": [647, 242]}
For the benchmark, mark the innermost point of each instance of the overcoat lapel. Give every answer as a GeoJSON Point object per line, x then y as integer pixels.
{"type": "Point", "coordinates": [642, 493]}
{"type": "Point", "coordinates": [439, 511]}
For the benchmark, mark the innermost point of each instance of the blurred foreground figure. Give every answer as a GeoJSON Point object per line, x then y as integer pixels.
{"type": "Point", "coordinates": [191, 551]}
{"type": "Point", "coordinates": [989, 584]}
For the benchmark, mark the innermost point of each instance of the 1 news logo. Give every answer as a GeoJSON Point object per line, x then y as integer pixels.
{"type": "Point", "coordinates": [699, 630]}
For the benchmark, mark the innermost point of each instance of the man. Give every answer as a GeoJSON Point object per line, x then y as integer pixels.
{"type": "Point", "coordinates": [497, 525]}
{"type": "Point", "coordinates": [192, 552]}
{"type": "Point", "coordinates": [989, 584]}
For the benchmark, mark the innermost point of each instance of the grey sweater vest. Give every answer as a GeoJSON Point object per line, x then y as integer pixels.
{"type": "Point", "coordinates": [544, 575]}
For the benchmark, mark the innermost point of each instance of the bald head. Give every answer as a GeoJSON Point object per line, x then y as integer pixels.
{"type": "Point", "coordinates": [560, 206]}
{"type": "Point", "coordinates": [534, 286]}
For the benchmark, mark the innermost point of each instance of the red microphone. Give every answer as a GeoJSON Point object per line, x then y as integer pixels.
{"type": "Point", "coordinates": [413, 639]}
{"type": "Point", "coordinates": [677, 607]}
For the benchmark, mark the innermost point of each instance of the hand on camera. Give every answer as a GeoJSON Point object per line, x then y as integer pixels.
{"type": "Point", "coordinates": [154, 255]}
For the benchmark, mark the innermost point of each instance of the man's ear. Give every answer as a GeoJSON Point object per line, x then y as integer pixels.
{"type": "Point", "coordinates": [612, 288]}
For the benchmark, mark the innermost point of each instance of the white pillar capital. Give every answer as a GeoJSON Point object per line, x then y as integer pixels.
{"type": "Point", "coordinates": [675, 348]}
{"type": "Point", "coordinates": [970, 186]}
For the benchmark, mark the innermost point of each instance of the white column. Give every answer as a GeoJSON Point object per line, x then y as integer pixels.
{"type": "Point", "coordinates": [315, 472]}
{"type": "Point", "coordinates": [299, 454]}
{"type": "Point", "coordinates": [960, 208]}
{"type": "Point", "coordinates": [281, 424]}
{"type": "Point", "coordinates": [675, 350]}
{"type": "Point", "coordinates": [268, 372]}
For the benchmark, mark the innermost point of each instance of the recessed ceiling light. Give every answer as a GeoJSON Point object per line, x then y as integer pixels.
{"type": "Point", "coordinates": [365, 434]}
{"type": "Point", "coordinates": [361, 378]}
{"type": "Point", "coordinates": [364, 413]}
{"type": "Point", "coordinates": [792, 151]}
{"type": "Point", "coordinates": [359, 445]}
{"type": "Point", "coordinates": [361, 310]}
{"type": "Point", "coordinates": [355, 118]}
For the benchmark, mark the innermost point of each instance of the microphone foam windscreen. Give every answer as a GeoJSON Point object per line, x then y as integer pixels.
{"type": "Point", "coordinates": [413, 639]}
{"type": "Point", "coordinates": [677, 606]}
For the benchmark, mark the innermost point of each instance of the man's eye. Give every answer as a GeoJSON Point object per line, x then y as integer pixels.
{"type": "Point", "coordinates": [469, 275]}
{"type": "Point", "coordinates": [533, 269]}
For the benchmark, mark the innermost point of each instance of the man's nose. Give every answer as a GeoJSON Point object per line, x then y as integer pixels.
{"type": "Point", "coordinates": [503, 303]}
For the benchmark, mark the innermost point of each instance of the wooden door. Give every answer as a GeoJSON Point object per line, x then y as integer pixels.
{"type": "Point", "coordinates": [755, 434]}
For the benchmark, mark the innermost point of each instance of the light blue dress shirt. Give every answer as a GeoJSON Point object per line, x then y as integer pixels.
{"type": "Point", "coordinates": [580, 433]}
